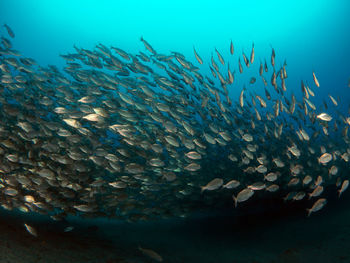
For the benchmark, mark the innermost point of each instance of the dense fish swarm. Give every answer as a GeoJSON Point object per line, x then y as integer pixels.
{"type": "Point", "coordinates": [147, 135]}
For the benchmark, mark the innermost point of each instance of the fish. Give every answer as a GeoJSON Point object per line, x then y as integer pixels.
{"type": "Point", "coordinates": [316, 192]}
{"type": "Point", "coordinates": [231, 184]}
{"type": "Point", "coordinates": [325, 158]}
{"type": "Point", "coordinates": [9, 31]}
{"type": "Point", "coordinates": [333, 170]}
{"type": "Point", "coordinates": [261, 69]}
{"type": "Point", "coordinates": [120, 52]}
{"type": "Point", "coordinates": [213, 63]}
{"type": "Point", "coordinates": [194, 155]}
{"type": "Point", "coordinates": [261, 169]}
{"type": "Point", "coordinates": [272, 188]}
{"type": "Point", "coordinates": [273, 55]}
{"type": "Point", "coordinates": [252, 80]}
{"type": "Point", "coordinates": [311, 105]}
{"type": "Point", "coordinates": [230, 75]}
{"type": "Point", "coordinates": [221, 59]}
{"type": "Point", "coordinates": [232, 51]}
{"type": "Point", "coordinates": [333, 100]}
{"type": "Point", "coordinates": [84, 208]}
{"type": "Point", "coordinates": [299, 196]}
{"type": "Point", "coordinates": [310, 91]}
{"type": "Point", "coordinates": [271, 177]}
{"type": "Point", "coordinates": [347, 120]}
{"type": "Point", "coordinates": [240, 66]}
{"type": "Point", "coordinates": [265, 67]}
{"type": "Point", "coordinates": [324, 116]}
{"type": "Point", "coordinates": [315, 79]}
{"type": "Point", "coordinates": [343, 187]}
{"type": "Point", "coordinates": [241, 98]}
{"type": "Point", "coordinates": [212, 185]}
{"type": "Point", "coordinates": [318, 180]}
{"type": "Point", "coordinates": [247, 137]}
{"type": "Point", "coordinates": [200, 61]}
{"type": "Point", "coordinates": [252, 55]}
{"type": "Point", "coordinates": [93, 117]}
{"type": "Point", "coordinates": [242, 196]}
{"type": "Point", "coordinates": [293, 181]}
{"type": "Point", "coordinates": [318, 205]}
{"type": "Point", "coordinates": [192, 167]}
{"type": "Point", "coordinates": [151, 254]}
{"type": "Point", "coordinates": [68, 229]}
{"type": "Point", "coordinates": [246, 61]}
{"type": "Point", "coordinates": [148, 46]}
{"type": "Point", "coordinates": [257, 186]}
{"type": "Point", "coordinates": [31, 230]}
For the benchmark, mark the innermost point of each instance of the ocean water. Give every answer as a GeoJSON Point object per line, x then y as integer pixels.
{"type": "Point", "coordinates": [307, 36]}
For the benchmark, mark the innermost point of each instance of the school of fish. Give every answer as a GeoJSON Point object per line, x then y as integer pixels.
{"type": "Point", "coordinates": [147, 135]}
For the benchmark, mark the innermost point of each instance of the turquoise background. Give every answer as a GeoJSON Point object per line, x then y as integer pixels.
{"type": "Point", "coordinates": [310, 35]}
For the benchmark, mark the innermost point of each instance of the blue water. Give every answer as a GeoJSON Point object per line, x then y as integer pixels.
{"type": "Point", "coordinates": [312, 36]}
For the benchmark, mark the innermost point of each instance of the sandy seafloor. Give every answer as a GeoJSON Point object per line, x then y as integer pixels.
{"type": "Point", "coordinates": [282, 233]}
